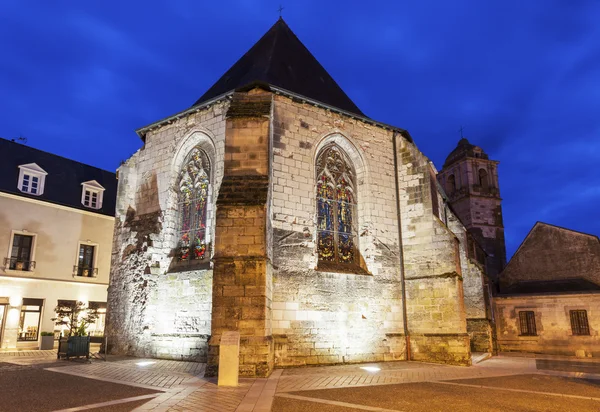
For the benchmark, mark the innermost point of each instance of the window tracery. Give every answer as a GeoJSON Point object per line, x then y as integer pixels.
{"type": "Point", "coordinates": [193, 186]}
{"type": "Point", "coordinates": [336, 207]}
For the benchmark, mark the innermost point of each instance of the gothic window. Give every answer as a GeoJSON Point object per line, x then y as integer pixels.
{"type": "Point", "coordinates": [483, 179]}
{"type": "Point", "coordinates": [193, 186]}
{"type": "Point", "coordinates": [451, 184]}
{"type": "Point", "coordinates": [336, 208]}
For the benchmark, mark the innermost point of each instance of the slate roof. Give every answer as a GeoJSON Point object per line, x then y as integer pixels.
{"type": "Point", "coordinates": [552, 286]}
{"type": "Point", "coordinates": [64, 179]}
{"type": "Point", "coordinates": [280, 59]}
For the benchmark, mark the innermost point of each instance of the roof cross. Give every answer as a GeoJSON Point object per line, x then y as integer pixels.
{"type": "Point", "coordinates": [461, 131]}
{"type": "Point", "coordinates": [280, 9]}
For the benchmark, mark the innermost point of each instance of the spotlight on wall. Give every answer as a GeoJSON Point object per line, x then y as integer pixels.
{"type": "Point", "coordinates": [145, 363]}
{"type": "Point", "coordinates": [15, 301]}
{"type": "Point", "coordinates": [371, 368]}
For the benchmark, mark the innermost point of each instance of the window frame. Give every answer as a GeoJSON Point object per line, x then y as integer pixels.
{"type": "Point", "coordinates": [207, 167]}
{"type": "Point", "coordinates": [31, 254]}
{"type": "Point", "coordinates": [94, 268]}
{"type": "Point", "coordinates": [336, 265]}
{"type": "Point", "coordinates": [577, 323]}
{"type": "Point", "coordinates": [32, 170]}
{"type": "Point", "coordinates": [93, 187]}
{"type": "Point", "coordinates": [527, 318]}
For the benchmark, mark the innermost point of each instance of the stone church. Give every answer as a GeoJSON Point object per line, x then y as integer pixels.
{"type": "Point", "coordinates": [274, 207]}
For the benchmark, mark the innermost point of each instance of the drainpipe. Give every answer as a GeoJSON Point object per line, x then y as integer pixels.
{"type": "Point", "coordinates": [400, 247]}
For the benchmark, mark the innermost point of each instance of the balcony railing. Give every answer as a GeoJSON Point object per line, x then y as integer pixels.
{"type": "Point", "coordinates": [19, 264]}
{"type": "Point", "coordinates": [85, 271]}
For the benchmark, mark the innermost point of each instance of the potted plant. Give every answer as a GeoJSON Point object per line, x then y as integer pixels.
{"type": "Point", "coordinates": [47, 341]}
{"type": "Point", "coordinates": [19, 266]}
{"type": "Point", "coordinates": [85, 272]}
{"type": "Point", "coordinates": [76, 317]}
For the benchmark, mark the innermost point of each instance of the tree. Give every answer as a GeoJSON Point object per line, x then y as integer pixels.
{"type": "Point", "coordinates": [75, 316]}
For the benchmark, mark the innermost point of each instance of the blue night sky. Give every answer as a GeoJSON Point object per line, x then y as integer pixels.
{"type": "Point", "coordinates": [523, 77]}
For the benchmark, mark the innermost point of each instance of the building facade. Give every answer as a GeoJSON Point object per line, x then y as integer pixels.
{"type": "Point", "coordinates": [56, 227]}
{"type": "Point", "coordinates": [276, 208]}
{"type": "Point", "coordinates": [549, 297]}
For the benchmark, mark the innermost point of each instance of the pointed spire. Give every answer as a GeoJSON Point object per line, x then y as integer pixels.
{"type": "Point", "coordinates": [280, 59]}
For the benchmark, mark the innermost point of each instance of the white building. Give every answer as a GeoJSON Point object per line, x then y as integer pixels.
{"type": "Point", "coordinates": [56, 227]}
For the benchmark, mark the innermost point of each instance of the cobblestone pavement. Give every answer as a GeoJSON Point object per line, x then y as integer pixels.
{"type": "Point", "coordinates": [183, 386]}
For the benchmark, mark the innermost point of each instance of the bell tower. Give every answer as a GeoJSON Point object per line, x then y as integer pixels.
{"type": "Point", "coordinates": [470, 180]}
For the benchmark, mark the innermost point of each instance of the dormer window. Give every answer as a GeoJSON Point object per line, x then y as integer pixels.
{"type": "Point", "coordinates": [31, 179]}
{"type": "Point", "coordinates": [91, 194]}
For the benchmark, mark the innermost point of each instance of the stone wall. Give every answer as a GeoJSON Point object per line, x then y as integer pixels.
{"type": "Point", "coordinates": [435, 297]}
{"type": "Point", "coordinates": [261, 224]}
{"type": "Point", "coordinates": [242, 285]}
{"type": "Point", "coordinates": [553, 324]}
{"type": "Point", "coordinates": [325, 317]}
{"type": "Point", "coordinates": [476, 289]}
{"type": "Point", "coordinates": [165, 314]}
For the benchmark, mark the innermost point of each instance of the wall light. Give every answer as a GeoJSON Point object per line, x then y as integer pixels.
{"type": "Point", "coordinates": [371, 368]}
{"type": "Point", "coordinates": [15, 300]}
{"type": "Point", "coordinates": [145, 363]}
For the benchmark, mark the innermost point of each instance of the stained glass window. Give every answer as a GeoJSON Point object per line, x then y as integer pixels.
{"type": "Point", "coordinates": [194, 183]}
{"type": "Point", "coordinates": [336, 207]}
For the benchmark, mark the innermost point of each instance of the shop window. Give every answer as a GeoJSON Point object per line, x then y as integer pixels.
{"type": "Point", "coordinates": [579, 322]}
{"type": "Point", "coordinates": [527, 323]}
{"type": "Point", "coordinates": [97, 328]}
{"type": "Point", "coordinates": [29, 323]}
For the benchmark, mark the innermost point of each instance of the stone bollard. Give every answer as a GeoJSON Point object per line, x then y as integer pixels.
{"type": "Point", "coordinates": [229, 359]}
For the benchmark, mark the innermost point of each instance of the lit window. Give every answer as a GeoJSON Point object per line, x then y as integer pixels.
{"type": "Point", "coordinates": [85, 261]}
{"type": "Point", "coordinates": [29, 322]}
{"type": "Point", "coordinates": [21, 252]}
{"type": "Point", "coordinates": [194, 184]}
{"type": "Point", "coordinates": [92, 194]}
{"type": "Point", "coordinates": [336, 208]}
{"type": "Point", "coordinates": [31, 179]}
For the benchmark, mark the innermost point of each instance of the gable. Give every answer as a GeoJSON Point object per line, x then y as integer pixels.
{"type": "Point", "coordinates": [552, 253]}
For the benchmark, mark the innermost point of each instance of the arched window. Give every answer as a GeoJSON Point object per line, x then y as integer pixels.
{"type": "Point", "coordinates": [336, 207]}
{"type": "Point", "coordinates": [194, 181]}
{"type": "Point", "coordinates": [451, 184]}
{"type": "Point", "coordinates": [483, 179]}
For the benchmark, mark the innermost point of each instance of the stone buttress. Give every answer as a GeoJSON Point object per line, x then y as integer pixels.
{"type": "Point", "coordinates": [242, 282]}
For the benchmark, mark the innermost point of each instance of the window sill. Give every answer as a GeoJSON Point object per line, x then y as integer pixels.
{"type": "Point", "coordinates": [19, 272]}
{"type": "Point", "coordinates": [350, 269]}
{"type": "Point", "coordinates": [85, 278]}
{"type": "Point", "coordinates": [189, 265]}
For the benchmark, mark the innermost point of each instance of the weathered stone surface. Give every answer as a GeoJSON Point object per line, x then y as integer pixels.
{"type": "Point", "coordinates": [553, 323]}
{"type": "Point", "coordinates": [261, 226]}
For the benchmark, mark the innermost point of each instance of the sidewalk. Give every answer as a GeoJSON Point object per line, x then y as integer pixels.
{"type": "Point", "coordinates": [183, 385]}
